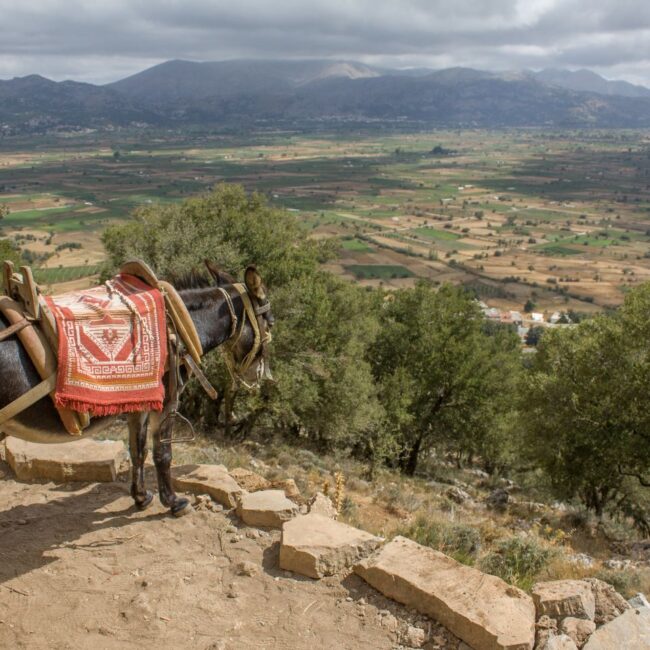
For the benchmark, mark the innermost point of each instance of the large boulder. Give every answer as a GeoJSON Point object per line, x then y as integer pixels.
{"type": "Point", "coordinates": [82, 459]}
{"type": "Point", "coordinates": [267, 508]}
{"type": "Point", "coordinates": [315, 545]}
{"type": "Point", "coordinates": [480, 609]}
{"type": "Point", "coordinates": [561, 598]}
{"type": "Point", "coordinates": [630, 630]}
{"type": "Point", "coordinates": [609, 603]}
{"type": "Point", "coordinates": [208, 479]}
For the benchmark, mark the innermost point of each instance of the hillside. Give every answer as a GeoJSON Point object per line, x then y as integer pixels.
{"type": "Point", "coordinates": [241, 93]}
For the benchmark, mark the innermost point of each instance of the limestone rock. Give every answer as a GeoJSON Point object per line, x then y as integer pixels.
{"type": "Point", "coordinates": [630, 630]}
{"type": "Point", "coordinates": [267, 508]}
{"type": "Point", "coordinates": [558, 642]}
{"type": "Point", "coordinates": [207, 479]}
{"type": "Point", "coordinates": [498, 499]}
{"type": "Point", "coordinates": [546, 627]}
{"type": "Point", "coordinates": [561, 598]}
{"type": "Point", "coordinates": [458, 495]}
{"type": "Point", "coordinates": [609, 603]}
{"type": "Point", "coordinates": [321, 504]}
{"type": "Point", "coordinates": [288, 485]}
{"type": "Point", "coordinates": [315, 545]}
{"type": "Point", "coordinates": [480, 609]}
{"type": "Point", "coordinates": [82, 459]}
{"type": "Point", "coordinates": [414, 637]}
{"type": "Point", "coordinates": [578, 629]}
{"type": "Point", "coordinates": [639, 601]}
{"type": "Point", "coordinates": [249, 480]}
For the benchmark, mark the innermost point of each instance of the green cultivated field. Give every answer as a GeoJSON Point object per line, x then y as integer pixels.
{"type": "Point", "coordinates": [505, 209]}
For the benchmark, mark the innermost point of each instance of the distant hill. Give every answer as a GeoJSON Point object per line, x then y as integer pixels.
{"type": "Point", "coordinates": [37, 104]}
{"type": "Point", "coordinates": [588, 81]}
{"type": "Point", "coordinates": [241, 93]}
{"type": "Point", "coordinates": [185, 82]}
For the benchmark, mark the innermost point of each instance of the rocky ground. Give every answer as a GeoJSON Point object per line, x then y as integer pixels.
{"type": "Point", "coordinates": [80, 568]}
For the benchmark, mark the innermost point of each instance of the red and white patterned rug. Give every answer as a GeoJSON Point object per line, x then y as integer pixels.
{"type": "Point", "coordinates": [112, 347]}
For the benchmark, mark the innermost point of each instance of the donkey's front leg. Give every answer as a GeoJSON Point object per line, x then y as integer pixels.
{"type": "Point", "coordinates": [162, 458]}
{"type": "Point", "coordinates": [137, 423]}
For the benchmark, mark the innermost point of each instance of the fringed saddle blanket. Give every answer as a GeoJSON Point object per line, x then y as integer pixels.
{"type": "Point", "coordinates": [112, 347]}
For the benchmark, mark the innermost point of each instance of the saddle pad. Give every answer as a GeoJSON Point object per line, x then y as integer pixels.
{"type": "Point", "coordinates": [112, 347]}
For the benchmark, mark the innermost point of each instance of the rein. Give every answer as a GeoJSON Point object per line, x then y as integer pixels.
{"type": "Point", "coordinates": [261, 339]}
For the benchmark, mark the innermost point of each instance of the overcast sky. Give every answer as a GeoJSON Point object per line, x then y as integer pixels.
{"type": "Point", "coordinates": [103, 40]}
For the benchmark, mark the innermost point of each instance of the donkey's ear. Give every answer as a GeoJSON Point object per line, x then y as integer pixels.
{"type": "Point", "coordinates": [220, 277]}
{"type": "Point", "coordinates": [254, 283]}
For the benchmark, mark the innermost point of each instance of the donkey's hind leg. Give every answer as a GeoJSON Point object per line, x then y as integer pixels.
{"type": "Point", "coordinates": [138, 448]}
{"type": "Point", "coordinates": [162, 458]}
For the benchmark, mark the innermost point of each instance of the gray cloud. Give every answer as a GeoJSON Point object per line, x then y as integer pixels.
{"type": "Point", "coordinates": [103, 40]}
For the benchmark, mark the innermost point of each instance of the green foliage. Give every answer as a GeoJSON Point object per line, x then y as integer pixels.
{"type": "Point", "coordinates": [518, 560]}
{"type": "Point", "coordinates": [9, 251]}
{"type": "Point", "coordinates": [442, 378]}
{"type": "Point", "coordinates": [584, 405]}
{"type": "Point", "coordinates": [461, 541]}
{"type": "Point", "coordinates": [226, 225]}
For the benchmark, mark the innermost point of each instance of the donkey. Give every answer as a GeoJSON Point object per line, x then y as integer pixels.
{"type": "Point", "coordinates": [219, 316]}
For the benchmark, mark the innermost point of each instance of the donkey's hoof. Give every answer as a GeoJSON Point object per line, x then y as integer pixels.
{"type": "Point", "coordinates": [181, 508]}
{"type": "Point", "coordinates": [145, 503]}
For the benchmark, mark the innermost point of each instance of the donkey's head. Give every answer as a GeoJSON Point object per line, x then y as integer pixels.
{"type": "Point", "coordinates": [248, 356]}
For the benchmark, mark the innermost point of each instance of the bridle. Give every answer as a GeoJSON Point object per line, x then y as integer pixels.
{"type": "Point", "coordinates": [256, 314]}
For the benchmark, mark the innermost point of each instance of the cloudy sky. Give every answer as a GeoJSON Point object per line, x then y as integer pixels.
{"type": "Point", "coordinates": [104, 40]}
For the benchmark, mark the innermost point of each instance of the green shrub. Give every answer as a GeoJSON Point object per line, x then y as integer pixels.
{"type": "Point", "coordinates": [625, 581]}
{"type": "Point", "coordinates": [518, 560]}
{"type": "Point", "coordinates": [460, 541]}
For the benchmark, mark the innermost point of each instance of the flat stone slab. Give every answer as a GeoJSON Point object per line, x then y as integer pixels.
{"type": "Point", "coordinates": [208, 479]}
{"type": "Point", "coordinates": [81, 459]}
{"type": "Point", "coordinates": [480, 609]}
{"type": "Point", "coordinates": [315, 545]}
{"type": "Point", "coordinates": [266, 508]}
{"type": "Point", "coordinates": [561, 598]}
{"type": "Point", "coordinates": [630, 630]}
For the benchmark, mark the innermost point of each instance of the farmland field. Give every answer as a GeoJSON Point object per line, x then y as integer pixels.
{"type": "Point", "coordinates": [562, 217]}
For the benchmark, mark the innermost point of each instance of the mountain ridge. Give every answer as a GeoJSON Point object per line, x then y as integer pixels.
{"type": "Point", "coordinates": [243, 92]}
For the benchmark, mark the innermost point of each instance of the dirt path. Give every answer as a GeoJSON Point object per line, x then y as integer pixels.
{"type": "Point", "coordinates": [79, 568]}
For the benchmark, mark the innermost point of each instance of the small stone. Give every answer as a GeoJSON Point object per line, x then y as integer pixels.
{"type": "Point", "coordinates": [247, 568]}
{"type": "Point", "coordinates": [231, 529]}
{"type": "Point", "coordinates": [414, 637]}
{"type": "Point", "coordinates": [249, 480]}
{"type": "Point", "coordinates": [577, 629]}
{"type": "Point", "coordinates": [288, 485]}
{"type": "Point", "coordinates": [558, 642]}
{"type": "Point", "coordinates": [321, 504]}
{"type": "Point", "coordinates": [253, 533]}
{"type": "Point", "coordinates": [21, 522]}
{"type": "Point", "coordinates": [457, 495]}
{"type": "Point", "coordinates": [390, 623]}
{"type": "Point", "coordinates": [639, 601]}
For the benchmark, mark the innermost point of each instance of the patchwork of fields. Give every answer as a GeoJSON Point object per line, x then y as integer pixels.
{"type": "Point", "coordinates": [563, 218]}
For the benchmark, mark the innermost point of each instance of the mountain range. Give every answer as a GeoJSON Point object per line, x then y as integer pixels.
{"type": "Point", "coordinates": [243, 93]}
